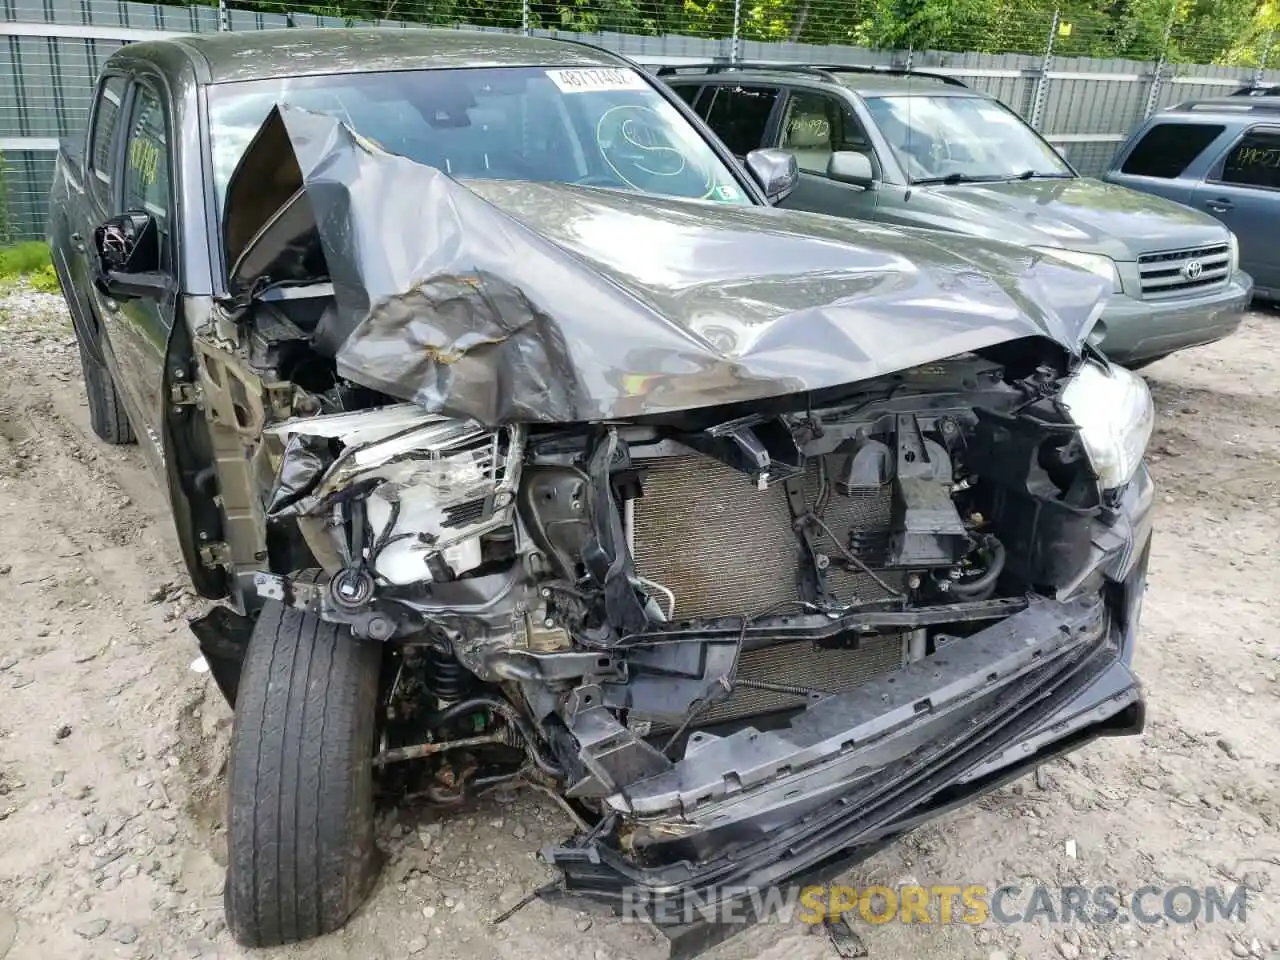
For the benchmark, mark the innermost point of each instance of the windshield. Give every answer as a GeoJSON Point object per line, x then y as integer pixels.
{"type": "Point", "coordinates": [962, 138]}
{"type": "Point", "coordinates": [596, 127]}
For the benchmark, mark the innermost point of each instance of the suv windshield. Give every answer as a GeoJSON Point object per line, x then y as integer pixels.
{"type": "Point", "coordinates": [962, 138]}
{"type": "Point", "coordinates": [596, 127]}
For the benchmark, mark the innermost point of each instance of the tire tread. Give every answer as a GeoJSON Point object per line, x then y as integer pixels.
{"type": "Point", "coordinates": [301, 856]}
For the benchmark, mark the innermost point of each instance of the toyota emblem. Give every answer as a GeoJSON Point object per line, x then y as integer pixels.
{"type": "Point", "coordinates": [1192, 269]}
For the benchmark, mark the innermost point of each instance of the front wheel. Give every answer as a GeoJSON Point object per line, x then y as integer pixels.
{"type": "Point", "coordinates": [301, 855]}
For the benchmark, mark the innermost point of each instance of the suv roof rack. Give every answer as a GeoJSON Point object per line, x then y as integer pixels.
{"type": "Point", "coordinates": [827, 71]}
{"type": "Point", "coordinates": [1268, 103]}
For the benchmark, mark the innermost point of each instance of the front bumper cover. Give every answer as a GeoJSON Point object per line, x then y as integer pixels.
{"type": "Point", "coordinates": [856, 770]}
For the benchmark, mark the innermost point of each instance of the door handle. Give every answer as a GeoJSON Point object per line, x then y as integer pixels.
{"type": "Point", "coordinates": [77, 241]}
{"type": "Point", "coordinates": [1221, 205]}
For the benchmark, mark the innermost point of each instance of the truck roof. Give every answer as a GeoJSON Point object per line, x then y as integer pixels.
{"type": "Point", "coordinates": [263, 54]}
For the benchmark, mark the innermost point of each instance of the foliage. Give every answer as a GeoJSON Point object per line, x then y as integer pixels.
{"type": "Point", "coordinates": [1203, 31]}
{"type": "Point", "coordinates": [30, 259]}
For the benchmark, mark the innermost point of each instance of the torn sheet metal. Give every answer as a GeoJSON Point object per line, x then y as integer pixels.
{"type": "Point", "coordinates": [506, 302]}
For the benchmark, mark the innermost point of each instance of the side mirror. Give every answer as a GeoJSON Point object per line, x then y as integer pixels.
{"type": "Point", "coordinates": [847, 166]}
{"type": "Point", "coordinates": [775, 171]}
{"type": "Point", "coordinates": [128, 251]}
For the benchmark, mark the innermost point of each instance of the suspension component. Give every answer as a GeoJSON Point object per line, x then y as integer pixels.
{"type": "Point", "coordinates": [445, 678]}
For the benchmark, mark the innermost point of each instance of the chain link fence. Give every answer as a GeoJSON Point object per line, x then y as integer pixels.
{"type": "Point", "coordinates": [1084, 72]}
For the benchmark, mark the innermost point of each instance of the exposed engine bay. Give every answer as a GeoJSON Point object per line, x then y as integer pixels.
{"type": "Point", "coordinates": [580, 601]}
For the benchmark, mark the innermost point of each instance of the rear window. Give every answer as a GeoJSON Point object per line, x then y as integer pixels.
{"type": "Point", "coordinates": [739, 115]}
{"type": "Point", "coordinates": [1167, 149]}
{"type": "Point", "coordinates": [689, 94]}
{"type": "Point", "coordinates": [1254, 161]}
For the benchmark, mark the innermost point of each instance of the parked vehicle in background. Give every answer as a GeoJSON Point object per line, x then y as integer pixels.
{"type": "Point", "coordinates": [924, 150]}
{"type": "Point", "coordinates": [522, 437]}
{"type": "Point", "coordinates": [1222, 156]}
{"type": "Point", "coordinates": [1272, 90]}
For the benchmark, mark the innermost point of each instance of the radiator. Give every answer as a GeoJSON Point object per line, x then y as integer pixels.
{"type": "Point", "coordinates": [725, 548]}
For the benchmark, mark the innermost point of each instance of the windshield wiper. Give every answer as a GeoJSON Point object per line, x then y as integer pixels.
{"type": "Point", "coordinates": [951, 178]}
{"type": "Point", "coordinates": [1033, 174]}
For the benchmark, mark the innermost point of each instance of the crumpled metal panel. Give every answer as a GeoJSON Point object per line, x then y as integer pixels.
{"type": "Point", "coordinates": [509, 302]}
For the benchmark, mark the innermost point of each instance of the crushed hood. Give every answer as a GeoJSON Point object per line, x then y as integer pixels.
{"type": "Point", "coordinates": [507, 301]}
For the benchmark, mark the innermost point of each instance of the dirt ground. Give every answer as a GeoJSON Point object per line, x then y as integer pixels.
{"type": "Point", "coordinates": [112, 744]}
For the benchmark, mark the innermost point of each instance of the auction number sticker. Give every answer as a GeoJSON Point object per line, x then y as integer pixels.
{"type": "Point", "coordinates": [593, 81]}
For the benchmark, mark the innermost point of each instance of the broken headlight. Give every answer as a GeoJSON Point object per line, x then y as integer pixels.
{"type": "Point", "coordinates": [1114, 412]}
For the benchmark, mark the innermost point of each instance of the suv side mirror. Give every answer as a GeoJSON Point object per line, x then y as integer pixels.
{"type": "Point", "coordinates": [848, 166]}
{"type": "Point", "coordinates": [775, 171]}
{"type": "Point", "coordinates": [128, 251]}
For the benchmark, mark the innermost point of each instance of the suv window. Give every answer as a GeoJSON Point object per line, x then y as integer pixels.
{"type": "Point", "coordinates": [102, 136]}
{"type": "Point", "coordinates": [815, 126]}
{"type": "Point", "coordinates": [1254, 161]}
{"type": "Point", "coordinates": [739, 116]}
{"type": "Point", "coordinates": [689, 94]}
{"type": "Point", "coordinates": [1169, 148]}
{"type": "Point", "coordinates": [146, 161]}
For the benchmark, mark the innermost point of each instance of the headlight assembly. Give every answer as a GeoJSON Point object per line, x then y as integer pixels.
{"type": "Point", "coordinates": [1095, 263]}
{"type": "Point", "coordinates": [1234, 244]}
{"type": "Point", "coordinates": [1115, 415]}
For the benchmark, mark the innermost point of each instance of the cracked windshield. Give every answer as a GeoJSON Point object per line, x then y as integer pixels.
{"type": "Point", "coordinates": [592, 127]}
{"type": "Point", "coordinates": [952, 139]}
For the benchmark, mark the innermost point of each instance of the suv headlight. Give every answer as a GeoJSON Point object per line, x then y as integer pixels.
{"type": "Point", "coordinates": [1234, 245]}
{"type": "Point", "coordinates": [1095, 263]}
{"type": "Point", "coordinates": [1115, 415]}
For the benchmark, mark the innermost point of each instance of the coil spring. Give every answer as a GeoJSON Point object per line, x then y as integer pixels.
{"type": "Point", "coordinates": [445, 677]}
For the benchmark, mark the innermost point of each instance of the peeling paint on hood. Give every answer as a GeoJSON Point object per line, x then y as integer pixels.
{"type": "Point", "coordinates": [510, 301]}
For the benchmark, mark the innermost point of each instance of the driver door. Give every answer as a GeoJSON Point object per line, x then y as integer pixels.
{"type": "Point", "coordinates": [138, 329]}
{"type": "Point", "coordinates": [814, 126]}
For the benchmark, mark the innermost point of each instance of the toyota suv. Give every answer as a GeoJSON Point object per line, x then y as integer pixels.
{"type": "Point", "coordinates": [924, 150]}
{"type": "Point", "coordinates": [1220, 155]}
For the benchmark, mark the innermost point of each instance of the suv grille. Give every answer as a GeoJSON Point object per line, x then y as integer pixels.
{"type": "Point", "coordinates": [1183, 272]}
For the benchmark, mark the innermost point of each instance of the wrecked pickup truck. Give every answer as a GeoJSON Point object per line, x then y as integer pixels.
{"type": "Point", "coordinates": [524, 439]}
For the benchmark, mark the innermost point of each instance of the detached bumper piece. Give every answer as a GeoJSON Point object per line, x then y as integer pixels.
{"type": "Point", "coordinates": [758, 808]}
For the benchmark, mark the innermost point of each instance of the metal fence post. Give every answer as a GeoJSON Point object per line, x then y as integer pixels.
{"type": "Point", "coordinates": [1042, 82]}
{"type": "Point", "coordinates": [736, 39]}
{"type": "Point", "coordinates": [224, 16]}
{"type": "Point", "coordinates": [1153, 95]}
{"type": "Point", "coordinates": [1260, 69]}
{"type": "Point", "coordinates": [524, 17]}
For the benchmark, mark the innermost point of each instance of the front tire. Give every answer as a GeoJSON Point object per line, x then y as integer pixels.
{"type": "Point", "coordinates": [301, 855]}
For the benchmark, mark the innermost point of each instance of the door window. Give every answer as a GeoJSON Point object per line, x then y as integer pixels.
{"type": "Point", "coordinates": [1167, 149]}
{"type": "Point", "coordinates": [688, 93]}
{"type": "Point", "coordinates": [102, 137]}
{"type": "Point", "coordinates": [740, 115]}
{"type": "Point", "coordinates": [1254, 161]}
{"type": "Point", "coordinates": [815, 126]}
{"type": "Point", "coordinates": [146, 160]}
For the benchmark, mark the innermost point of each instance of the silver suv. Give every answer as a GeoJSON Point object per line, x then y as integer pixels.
{"type": "Point", "coordinates": [923, 150]}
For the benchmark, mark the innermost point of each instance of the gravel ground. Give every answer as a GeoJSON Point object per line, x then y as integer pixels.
{"type": "Point", "coordinates": [113, 746]}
